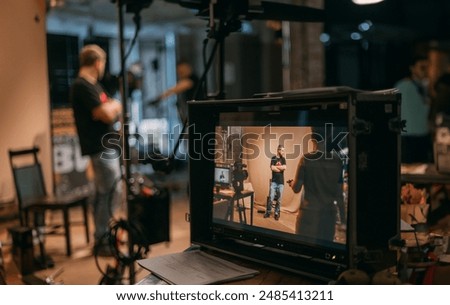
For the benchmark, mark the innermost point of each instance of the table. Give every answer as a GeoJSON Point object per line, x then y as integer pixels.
{"type": "Point", "coordinates": [238, 198]}
{"type": "Point", "coordinates": [426, 175]}
{"type": "Point", "coordinates": [429, 176]}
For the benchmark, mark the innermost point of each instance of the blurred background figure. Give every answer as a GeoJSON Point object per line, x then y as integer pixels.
{"type": "Point", "coordinates": [440, 124]}
{"type": "Point", "coordinates": [95, 114]}
{"type": "Point", "coordinates": [187, 88]}
{"type": "Point", "coordinates": [441, 101]}
{"type": "Point", "coordinates": [416, 142]}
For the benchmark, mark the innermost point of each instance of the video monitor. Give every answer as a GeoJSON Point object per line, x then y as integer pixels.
{"type": "Point", "coordinates": [321, 191]}
{"type": "Point", "coordinates": [222, 175]}
{"type": "Point", "coordinates": [304, 224]}
{"type": "Point", "coordinates": [315, 157]}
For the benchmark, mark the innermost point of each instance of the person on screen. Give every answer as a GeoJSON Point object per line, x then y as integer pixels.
{"type": "Point", "coordinates": [222, 177]}
{"type": "Point", "coordinates": [320, 174]}
{"type": "Point", "coordinates": [278, 166]}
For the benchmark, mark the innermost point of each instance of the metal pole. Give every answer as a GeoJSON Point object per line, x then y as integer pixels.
{"type": "Point", "coordinates": [221, 38]}
{"type": "Point", "coordinates": [125, 131]}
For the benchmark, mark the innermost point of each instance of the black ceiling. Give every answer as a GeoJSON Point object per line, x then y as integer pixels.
{"type": "Point", "coordinates": [392, 19]}
{"type": "Point", "coordinates": [401, 19]}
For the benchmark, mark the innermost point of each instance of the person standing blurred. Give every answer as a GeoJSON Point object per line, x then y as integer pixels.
{"type": "Point", "coordinates": [95, 114]}
{"type": "Point", "coordinates": [416, 143]}
{"type": "Point", "coordinates": [187, 88]}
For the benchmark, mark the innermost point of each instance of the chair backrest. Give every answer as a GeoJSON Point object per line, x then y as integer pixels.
{"type": "Point", "coordinates": [27, 174]}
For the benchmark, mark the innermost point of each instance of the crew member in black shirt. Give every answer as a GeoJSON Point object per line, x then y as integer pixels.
{"type": "Point", "coordinates": [95, 113]}
{"type": "Point", "coordinates": [187, 88]}
{"type": "Point", "coordinates": [320, 173]}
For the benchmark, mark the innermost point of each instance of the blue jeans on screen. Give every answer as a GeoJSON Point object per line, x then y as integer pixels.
{"type": "Point", "coordinates": [276, 192]}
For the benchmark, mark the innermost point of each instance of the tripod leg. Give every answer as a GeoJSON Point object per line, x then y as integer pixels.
{"type": "Point", "coordinates": [242, 210]}
{"type": "Point", "coordinates": [239, 210]}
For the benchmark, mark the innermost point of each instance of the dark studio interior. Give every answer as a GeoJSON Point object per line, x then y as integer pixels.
{"type": "Point", "coordinates": [286, 103]}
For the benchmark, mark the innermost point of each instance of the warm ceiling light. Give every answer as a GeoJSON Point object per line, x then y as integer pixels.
{"type": "Point", "coordinates": [363, 2]}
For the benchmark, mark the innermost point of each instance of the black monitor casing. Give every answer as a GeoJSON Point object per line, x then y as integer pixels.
{"type": "Point", "coordinates": [374, 124]}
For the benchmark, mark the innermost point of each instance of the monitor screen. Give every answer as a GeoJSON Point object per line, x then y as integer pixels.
{"type": "Point", "coordinates": [222, 175]}
{"type": "Point", "coordinates": [293, 161]}
{"type": "Point", "coordinates": [302, 201]}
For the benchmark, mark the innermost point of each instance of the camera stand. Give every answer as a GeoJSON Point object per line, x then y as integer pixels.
{"type": "Point", "coordinates": [139, 235]}
{"type": "Point", "coordinates": [129, 260]}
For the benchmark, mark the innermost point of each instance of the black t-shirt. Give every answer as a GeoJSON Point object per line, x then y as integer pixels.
{"type": "Point", "coordinates": [278, 177]}
{"type": "Point", "coordinates": [321, 178]}
{"type": "Point", "coordinates": [194, 93]}
{"type": "Point", "coordinates": [84, 97]}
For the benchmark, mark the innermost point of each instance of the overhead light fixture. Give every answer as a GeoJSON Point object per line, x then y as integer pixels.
{"type": "Point", "coordinates": [364, 2]}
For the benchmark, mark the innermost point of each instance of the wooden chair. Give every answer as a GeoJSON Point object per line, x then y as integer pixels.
{"type": "Point", "coordinates": [33, 198]}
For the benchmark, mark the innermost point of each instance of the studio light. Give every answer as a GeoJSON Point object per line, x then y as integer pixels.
{"type": "Point", "coordinates": [365, 2]}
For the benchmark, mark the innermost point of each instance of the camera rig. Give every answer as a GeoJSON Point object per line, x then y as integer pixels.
{"type": "Point", "coordinates": [239, 175]}
{"type": "Point", "coordinates": [229, 14]}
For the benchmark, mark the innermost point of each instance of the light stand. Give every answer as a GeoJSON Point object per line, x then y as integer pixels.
{"type": "Point", "coordinates": [228, 13]}
{"type": "Point", "coordinates": [134, 6]}
{"type": "Point", "coordinates": [228, 22]}
{"type": "Point", "coordinates": [126, 130]}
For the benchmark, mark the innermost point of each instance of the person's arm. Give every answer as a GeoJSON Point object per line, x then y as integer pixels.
{"type": "Point", "coordinates": [107, 112]}
{"type": "Point", "coordinates": [275, 168]}
{"type": "Point", "coordinates": [182, 86]}
{"type": "Point", "coordinates": [281, 167]}
{"type": "Point", "coordinates": [278, 168]}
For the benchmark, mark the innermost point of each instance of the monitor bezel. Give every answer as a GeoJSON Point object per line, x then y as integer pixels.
{"type": "Point", "coordinates": [219, 236]}
{"type": "Point", "coordinates": [374, 125]}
